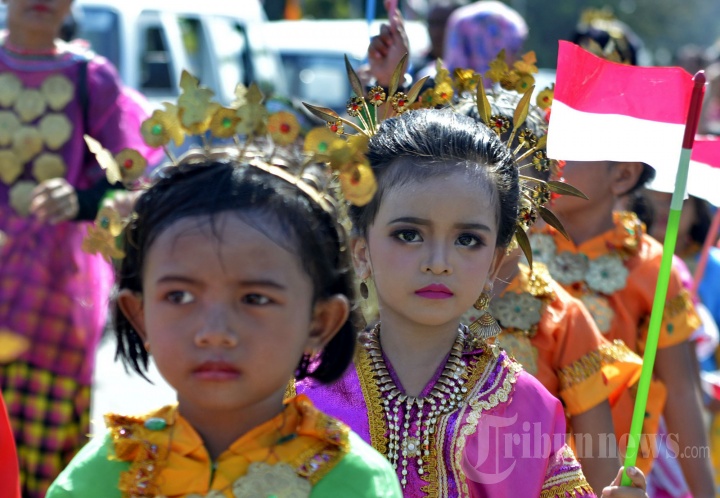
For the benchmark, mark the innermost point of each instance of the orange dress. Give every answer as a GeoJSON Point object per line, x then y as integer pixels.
{"type": "Point", "coordinates": [614, 275]}
{"type": "Point", "coordinates": [555, 339]}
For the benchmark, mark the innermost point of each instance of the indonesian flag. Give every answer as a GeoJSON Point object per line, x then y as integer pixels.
{"type": "Point", "coordinates": [703, 173]}
{"type": "Point", "coordinates": [605, 111]}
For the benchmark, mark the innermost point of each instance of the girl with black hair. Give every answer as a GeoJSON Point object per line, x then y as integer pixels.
{"type": "Point", "coordinates": [235, 280]}
{"type": "Point", "coordinates": [448, 409]}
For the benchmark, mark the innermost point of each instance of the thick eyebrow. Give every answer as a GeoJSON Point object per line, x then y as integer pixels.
{"type": "Point", "coordinates": [423, 222]}
{"type": "Point", "coordinates": [245, 283]}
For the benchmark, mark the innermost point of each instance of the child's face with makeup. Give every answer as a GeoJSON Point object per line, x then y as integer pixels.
{"type": "Point", "coordinates": [431, 247]}
{"type": "Point", "coordinates": [227, 314]}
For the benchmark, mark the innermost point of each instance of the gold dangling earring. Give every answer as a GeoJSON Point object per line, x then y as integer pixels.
{"type": "Point", "coordinates": [486, 326]}
{"type": "Point", "coordinates": [364, 291]}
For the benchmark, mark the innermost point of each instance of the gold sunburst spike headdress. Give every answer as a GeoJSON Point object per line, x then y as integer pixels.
{"type": "Point", "coordinates": [372, 107]}
{"type": "Point", "coordinates": [268, 141]}
{"type": "Point", "coordinates": [507, 110]}
{"type": "Point", "coordinates": [458, 91]}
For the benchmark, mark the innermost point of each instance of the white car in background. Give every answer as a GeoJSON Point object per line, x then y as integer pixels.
{"type": "Point", "coordinates": [313, 51]}
{"type": "Point", "coordinates": [152, 41]}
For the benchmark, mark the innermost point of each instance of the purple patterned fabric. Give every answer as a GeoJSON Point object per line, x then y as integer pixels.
{"type": "Point", "coordinates": [50, 291]}
{"type": "Point", "coordinates": [477, 32]}
{"type": "Point", "coordinates": [492, 446]}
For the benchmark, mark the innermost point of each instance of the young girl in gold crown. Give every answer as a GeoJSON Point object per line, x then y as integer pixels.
{"type": "Point", "coordinates": [236, 278]}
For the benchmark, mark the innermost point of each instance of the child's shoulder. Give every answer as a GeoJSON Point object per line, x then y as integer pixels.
{"type": "Point", "coordinates": [97, 468]}
{"type": "Point", "coordinates": [91, 473]}
{"type": "Point", "coordinates": [362, 473]}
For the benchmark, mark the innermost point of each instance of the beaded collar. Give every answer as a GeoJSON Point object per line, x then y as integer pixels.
{"type": "Point", "coordinates": [403, 427]}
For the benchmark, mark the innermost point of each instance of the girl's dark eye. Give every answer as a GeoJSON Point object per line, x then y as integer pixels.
{"type": "Point", "coordinates": [180, 297]}
{"type": "Point", "coordinates": [256, 299]}
{"type": "Point", "coordinates": [408, 236]}
{"type": "Point", "coordinates": [468, 240]}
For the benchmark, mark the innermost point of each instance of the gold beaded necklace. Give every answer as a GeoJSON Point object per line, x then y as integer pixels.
{"type": "Point", "coordinates": [446, 395]}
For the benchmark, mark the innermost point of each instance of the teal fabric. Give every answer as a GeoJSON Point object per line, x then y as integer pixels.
{"type": "Point", "coordinates": [362, 473]}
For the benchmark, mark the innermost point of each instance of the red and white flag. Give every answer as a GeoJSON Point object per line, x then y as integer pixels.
{"type": "Point", "coordinates": [605, 111]}
{"type": "Point", "coordinates": [704, 173]}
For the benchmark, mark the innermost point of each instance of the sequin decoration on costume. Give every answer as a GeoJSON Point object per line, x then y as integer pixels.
{"type": "Point", "coordinates": [31, 127]}
{"type": "Point", "coordinates": [606, 274]}
{"type": "Point", "coordinates": [405, 428]}
{"type": "Point", "coordinates": [592, 363]}
{"type": "Point", "coordinates": [518, 346]}
{"type": "Point", "coordinates": [445, 397]}
{"type": "Point", "coordinates": [517, 311]}
{"type": "Point", "coordinates": [278, 481]}
{"type": "Point", "coordinates": [283, 457]}
{"type": "Point", "coordinates": [543, 247]}
{"type": "Point", "coordinates": [601, 311]}
{"type": "Point", "coordinates": [564, 476]}
{"type": "Point", "coordinates": [568, 267]}
{"type": "Point", "coordinates": [592, 280]}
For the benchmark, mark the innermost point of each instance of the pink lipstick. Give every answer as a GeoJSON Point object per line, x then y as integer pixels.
{"type": "Point", "coordinates": [39, 7]}
{"type": "Point", "coordinates": [435, 291]}
{"type": "Point", "coordinates": [216, 371]}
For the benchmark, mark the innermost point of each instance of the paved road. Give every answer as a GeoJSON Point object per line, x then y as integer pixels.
{"type": "Point", "coordinates": [121, 392]}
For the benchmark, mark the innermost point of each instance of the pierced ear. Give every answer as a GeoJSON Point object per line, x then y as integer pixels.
{"type": "Point", "coordinates": [131, 305]}
{"type": "Point", "coordinates": [329, 316]}
{"type": "Point", "coordinates": [498, 258]}
{"type": "Point", "coordinates": [361, 257]}
{"type": "Point", "coordinates": [625, 176]}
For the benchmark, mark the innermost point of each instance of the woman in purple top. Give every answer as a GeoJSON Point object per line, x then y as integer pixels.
{"type": "Point", "coordinates": [53, 296]}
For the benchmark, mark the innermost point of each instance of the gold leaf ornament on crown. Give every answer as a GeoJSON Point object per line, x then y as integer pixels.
{"type": "Point", "coordinates": [466, 87]}
{"type": "Point", "coordinates": [372, 107]}
{"type": "Point", "coordinates": [268, 141]}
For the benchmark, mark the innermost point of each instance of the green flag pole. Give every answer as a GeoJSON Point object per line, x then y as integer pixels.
{"type": "Point", "coordinates": [664, 276]}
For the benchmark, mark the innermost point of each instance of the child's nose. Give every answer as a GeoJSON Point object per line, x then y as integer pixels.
{"type": "Point", "coordinates": [437, 261]}
{"type": "Point", "coordinates": [217, 329]}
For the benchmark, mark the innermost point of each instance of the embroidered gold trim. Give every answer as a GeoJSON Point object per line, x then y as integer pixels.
{"type": "Point", "coordinates": [315, 463]}
{"type": "Point", "coordinates": [682, 303]}
{"type": "Point", "coordinates": [436, 471]}
{"type": "Point", "coordinates": [575, 488]}
{"type": "Point", "coordinates": [478, 405]}
{"type": "Point", "coordinates": [537, 282]}
{"type": "Point", "coordinates": [290, 390]}
{"type": "Point", "coordinates": [592, 363]}
{"type": "Point", "coordinates": [373, 401]}
{"type": "Point", "coordinates": [148, 450]}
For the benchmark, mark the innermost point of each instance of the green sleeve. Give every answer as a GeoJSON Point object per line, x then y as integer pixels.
{"type": "Point", "coordinates": [362, 473]}
{"type": "Point", "coordinates": [90, 474]}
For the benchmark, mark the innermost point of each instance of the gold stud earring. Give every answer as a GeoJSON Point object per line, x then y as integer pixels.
{"type": "Point", "coordinates": [485, 326]}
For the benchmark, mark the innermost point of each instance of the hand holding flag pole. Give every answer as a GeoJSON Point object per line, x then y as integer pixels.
{"type": "Point", "coordinates": [663, 281]}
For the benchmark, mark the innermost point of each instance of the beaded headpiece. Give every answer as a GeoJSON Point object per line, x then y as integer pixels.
{"type": "Point", "coordinates": [456, 92]}
{"type": "Point", "coordinates": [268, 141]}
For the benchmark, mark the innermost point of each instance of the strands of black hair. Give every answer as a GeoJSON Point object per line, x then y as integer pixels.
{"type": "Point", "coordinates": [202, 186]}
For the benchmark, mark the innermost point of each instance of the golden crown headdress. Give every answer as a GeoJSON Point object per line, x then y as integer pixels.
{"type": "Point", "coordinates": [268, 141]}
